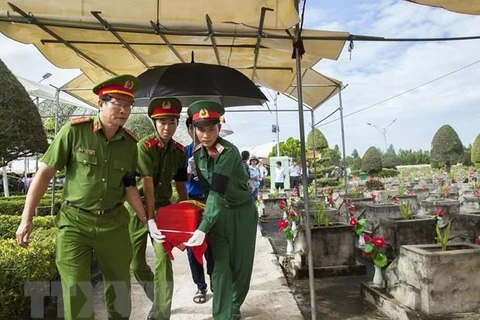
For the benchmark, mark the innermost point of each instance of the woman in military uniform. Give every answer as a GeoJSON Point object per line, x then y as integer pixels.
{"type": "Point", "coordinates": [230, 216]}
{"type": "Point", "coordinates": [100, 158]}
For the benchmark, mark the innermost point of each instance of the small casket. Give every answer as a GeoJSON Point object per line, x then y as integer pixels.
{"type": "Point", "coordinates": [178, 222]}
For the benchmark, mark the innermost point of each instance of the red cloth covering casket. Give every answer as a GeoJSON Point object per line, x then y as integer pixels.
{"type": "Point", "coordinates": [177, 222]}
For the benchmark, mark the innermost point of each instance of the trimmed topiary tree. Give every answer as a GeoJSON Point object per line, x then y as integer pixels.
{"type": "Point", "coordinates": [316, 139]}
{"type": "Point", "coordinates": [447, 149]}
{"type": "Point", "coordinates": [372, 161]}
{"type": "Point", "coordinates": [475, 156]}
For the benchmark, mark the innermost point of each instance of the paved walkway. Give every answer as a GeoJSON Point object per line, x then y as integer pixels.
{"type": "Point", "coordinates": [269, 296]}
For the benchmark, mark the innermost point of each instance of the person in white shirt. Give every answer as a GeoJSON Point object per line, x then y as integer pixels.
{"type": "Point", "coordinates": [294, 173]}
{"type": "Point", "coordinates": [279, 176]}
{"type": "Point", "coordinates": [264, 173]}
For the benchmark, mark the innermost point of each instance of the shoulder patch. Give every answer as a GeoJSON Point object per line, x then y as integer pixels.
{"type": "Point", "coordinates": [131, 134]}
{"type": "Point", "coordinates": [197, 147]}
{"type": "Point", "coordinates": [179, 146]}
{"type": "Point", "coordinates": [219, 147]}
{"type": "Point", "coordinates": [80, 120]}
{"type": "Point", "coordinates": [150, 143]}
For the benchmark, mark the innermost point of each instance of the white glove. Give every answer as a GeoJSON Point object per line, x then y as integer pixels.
{"type": "Point", "coordinates": [191, 168]}
{"type": "Point", "coordinates": [155, 234]}
{"type": "Point", "coordinates": [196, 240]}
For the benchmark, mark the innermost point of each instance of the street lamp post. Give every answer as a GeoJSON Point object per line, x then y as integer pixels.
{"type": "Point", "coordinates": [383, 131]}
{"type": "Point", "coordinates": [45, 76]}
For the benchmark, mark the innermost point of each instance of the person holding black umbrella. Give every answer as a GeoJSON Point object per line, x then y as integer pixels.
{"type": "Point", "coordinates": [230, 216]}
{"type": "Point", "coordinates": [160, 160]}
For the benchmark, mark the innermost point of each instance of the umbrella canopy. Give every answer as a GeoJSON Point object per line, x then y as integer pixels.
{"type": "Point", "coordinates": [190, 82]}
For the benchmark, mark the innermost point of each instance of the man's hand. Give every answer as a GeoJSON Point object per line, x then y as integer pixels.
{"type": "Point", "coordinates": [155, 234]}
{"type": "Point", "coordinates": [196, 240]}
{"type": "Point", "coordinates": [191, 168]}
{"type": "Point", "coordinates": [23, 232]}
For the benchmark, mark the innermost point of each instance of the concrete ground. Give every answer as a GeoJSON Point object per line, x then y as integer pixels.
{"type": "Point", "coordinates": [269, 296]}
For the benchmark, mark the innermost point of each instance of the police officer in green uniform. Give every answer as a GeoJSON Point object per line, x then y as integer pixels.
{"type": "Point", "coordinates": [229, 217]}
{"type": "Point", "coordinates": [160, 160]}
{"type": "Point", "coordinates": [100, 158]}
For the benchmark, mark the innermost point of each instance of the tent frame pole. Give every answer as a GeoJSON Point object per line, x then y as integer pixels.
{"type": "Point", "coordinates": [304, 163]}
{"type": "Point", "coordinates": [344, 160]}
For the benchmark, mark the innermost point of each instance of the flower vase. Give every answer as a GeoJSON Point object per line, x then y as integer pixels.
{"type": "Point", "coordinates": [378, 278]}
{"type": "Point", "coordinates": [285, 215]}
{"type": "Point", "coordinates": [289, 246]}
{"type": "Point", "coordinates": [361, 240]}
{"type": "Point", "coordinates": [294, 226]}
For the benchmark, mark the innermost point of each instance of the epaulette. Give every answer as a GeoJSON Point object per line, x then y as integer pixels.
{"type": "Point", "coordinates": [219, 147]}
{"type": "Point", "coordinates": [131, 134]}
{"type": "Point", "coordinates": [198, 147]}
{"type": "Point", "coordinates": [80, 120]}
{"type": "Point", "coordinates": [152, 142]}
{"type": "Point", "coordinates": [179, 146]}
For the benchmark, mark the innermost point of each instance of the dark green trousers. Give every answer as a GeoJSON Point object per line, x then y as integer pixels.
{"type": "Point", "coordinates": [233, 248]}
{"type": "Point", "coordinates": [81, 236]}
{"type": "Point", "coordinates": [158, 285]}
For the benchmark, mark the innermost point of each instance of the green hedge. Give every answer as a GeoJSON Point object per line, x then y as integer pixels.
{"type": "Point", "coordinates": [9, 225]}
{"type": "Point", "coordinates": [388, 173]}
{"type": "Point", "coordinates": [19, 266]}
{"type": "Point", "coordinates": [15, 207]}
{"type": "Point", "coordinates": [327, 182]}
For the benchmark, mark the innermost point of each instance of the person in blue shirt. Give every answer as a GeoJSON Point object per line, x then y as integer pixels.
{"type": "Point", "coordinates": [195, 192]}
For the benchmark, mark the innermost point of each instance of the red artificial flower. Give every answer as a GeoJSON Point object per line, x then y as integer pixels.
{"type": "Point", "coordinates": [440, 213]}
{"type": "Point", "coordinates": [349, 202]}
{"type": "Point", "coordinates": [282, 224]}
{"type": "Point", "coordinates": [477, 241]}
{"type": "Point", "coordinates": [367, 238]}
{"type": "Point", "coordinates": [260, 196]}
{"type": "Point", "coordinates": [282, 204]}
{"type": "Point", "coordinates": [368, 254]}
{"type": "Point", "coordinates": [292, 213]}
{"type": "Point", "coordinates": [378, 242]}
{"type": "Point", "coordinates": [374, 196]}
{"type": "Point", "coordinates": [353, 222]}
{"type": "Point", "coordinates": [395, 201]}
{"type": "Point", "coordinates": [351, 211]}
{"type": "Point", "coordinates": [478, 186]}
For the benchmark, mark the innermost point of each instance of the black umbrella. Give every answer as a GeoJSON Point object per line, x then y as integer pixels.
{"type": "Point", "coordinates": [190, 82]}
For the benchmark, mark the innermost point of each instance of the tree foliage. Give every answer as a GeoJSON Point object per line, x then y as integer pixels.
{"type": "Point", "coordinates": [332, 157]}
{"type": "Point", "coordinates": [476, 151]}
{"type": "Point", "coordinates": [21, 130]}
{"type": "Point", "coordinates": [316, 140]}
{"type": "Point", "coordinates": [140, 124]}
{"type": "Point", "coordinates": [447, 149]}
{"type": "Point", "coordinates": [372, 161]}
{"type": "Point", "coordinates": [290, 148]}
{"type": "Point", "coordinates": [410, 157]}
{"type": "Point", "coordinates": [389, 158]}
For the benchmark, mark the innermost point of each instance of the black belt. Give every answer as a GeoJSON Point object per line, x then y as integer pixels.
{"type": "Point", "coordinates": [96, 212]}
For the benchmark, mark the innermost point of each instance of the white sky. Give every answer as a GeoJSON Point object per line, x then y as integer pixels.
{"type": "Point", "coordinates": [375, 72]}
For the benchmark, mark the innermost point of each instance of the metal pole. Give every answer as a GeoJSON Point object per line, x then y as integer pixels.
{"type": "Point", "coordinates": [57, 106]}
{"type": "Point", "coordinates": [308, 231]}
{"type": "Point", "coordinates": [313, 151]}
{"type": "Point", "coordinates": [343, 142]}
{"type": "Point", "coordinates": [385, 138]}
{"type": "Point", "coordinates": [277, 129]}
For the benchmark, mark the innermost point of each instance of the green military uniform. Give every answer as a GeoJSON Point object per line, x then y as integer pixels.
{"type": "Point", "coordinates": [95, 169]}
{"type": "Point", "coordinates": [229, 218]}
{"type": "Point", "coordinates": [93, 221]}
{"type": "Point", "coordinates": [163, 163]}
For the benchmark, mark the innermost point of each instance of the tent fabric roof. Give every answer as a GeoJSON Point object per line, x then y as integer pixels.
{"type": "Point", "coordinates": [460, 6]}
{"type": "Point", "coordinates": [130, 39]}
{"type": "Point", "coordinates": [46, 92]}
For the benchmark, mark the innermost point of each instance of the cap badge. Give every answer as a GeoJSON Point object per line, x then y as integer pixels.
{"type": "Point", "coordinates": [166, 105]}
{"type": "Point", "coordinates": [203, 113]}
{"type": "Point", "coordinates": [222, 119]}
{"type": "Point", "coordinates": [128, 84]}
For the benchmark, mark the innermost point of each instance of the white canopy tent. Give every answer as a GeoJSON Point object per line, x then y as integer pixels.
{"type": "Point", "coordinates": [42, 91]}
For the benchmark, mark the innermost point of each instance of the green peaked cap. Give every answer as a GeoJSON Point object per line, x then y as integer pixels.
{"type": "Point", "coordinates": [205, 112]}
{"type": "Point", "coordinates": [164, 107]}
{"type": "Point", "coordinates": [124, 84]}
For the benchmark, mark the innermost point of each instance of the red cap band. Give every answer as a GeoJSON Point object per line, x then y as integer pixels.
{"type": "Point", "coordinates": [201, 116]}
{"type": "Point", "coordinates": [115, 88]}
{"type": "Point", "coordinates": [159, 112]}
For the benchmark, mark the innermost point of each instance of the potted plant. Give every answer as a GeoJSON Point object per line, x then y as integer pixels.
{"type": "Point", "coordinates": [374, 249]}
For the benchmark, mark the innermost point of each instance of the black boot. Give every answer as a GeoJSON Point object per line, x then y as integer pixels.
{"type": "Point", "coordinates": [151, 315]}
